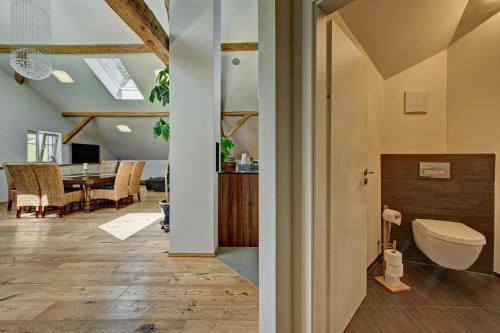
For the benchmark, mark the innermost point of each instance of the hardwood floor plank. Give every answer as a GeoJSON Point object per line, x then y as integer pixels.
{"type": "Point", "coordinates": [167, 310]}
{"type": "Point", "coordinates": [23, 310]}
{"type": "Point", "coordinates": [196, 292]}
{"type": "Point", "coordinates": [40, 292]}
{"type": "Point", "coordinates": [204, 326]}
{"type": "Point", "coordinates": [68, 275]}
{"type": "Point", "coordinates": [102, 326]}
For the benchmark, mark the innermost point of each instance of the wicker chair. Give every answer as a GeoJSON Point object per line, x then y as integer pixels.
{"type": "Point", "coordinates": [108, 167]}
{"type": "Point", "coordinates": [52, 188]}
{"type": "Point", "coordinates": [120, 190]}
{"type": "Point", "coordinates": [11, 189]}
{"type": "Point", "coordinates": [27, 188]}
{"type": "Point", "coordinates": [135, 181]}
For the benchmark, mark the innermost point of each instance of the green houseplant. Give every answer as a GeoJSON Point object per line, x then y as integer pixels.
{"type": "Point", "coordinates": [161, 130]}
{"type": "Point", "coordinates": [226, 146]}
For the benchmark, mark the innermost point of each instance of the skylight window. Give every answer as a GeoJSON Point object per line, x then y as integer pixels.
{"type": "Point", "coordinates": [124, 128]}
{"type": "Point", "coordinates": [115, 78]}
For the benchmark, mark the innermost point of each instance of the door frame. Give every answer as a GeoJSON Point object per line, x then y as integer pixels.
{"type": "Point", "coordinates": [288, 288]}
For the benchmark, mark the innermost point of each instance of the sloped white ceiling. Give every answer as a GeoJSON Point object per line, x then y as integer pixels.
{"type": "Point", "coordinates": [398, 34]}
{"type": "Point", "coordinates": [93, 22]}
{"type": "Point", "coordinates": [476, 13]}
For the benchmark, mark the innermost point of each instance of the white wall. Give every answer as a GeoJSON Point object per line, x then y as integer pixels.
{"type": "Point", "coordinates": [474, 101]}
{"type": "Point", "coordinates": [240, 83]}
{"type": "Point", "coordinates": [195, 120]}
{"type": "Point", "coordinates": [413, 134]}
{"type": "Point", "coordinates": [22, 110]}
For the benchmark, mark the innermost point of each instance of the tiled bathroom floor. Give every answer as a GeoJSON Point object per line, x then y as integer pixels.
{"type": "Point", "coordinates": [440, 301]}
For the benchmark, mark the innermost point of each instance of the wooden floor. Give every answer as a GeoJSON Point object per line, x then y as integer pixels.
{"type": "Point", "coordinates": [440, 301]}
{"type": "Point", "coordinates": [67, 275]}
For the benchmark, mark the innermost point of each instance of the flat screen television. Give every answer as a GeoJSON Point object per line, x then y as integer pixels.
{"type": "Point", "coordinates": [81, 153]}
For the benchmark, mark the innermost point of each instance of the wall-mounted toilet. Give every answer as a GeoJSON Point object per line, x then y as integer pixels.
{"type": "Point", "coordinates": [448, 244]}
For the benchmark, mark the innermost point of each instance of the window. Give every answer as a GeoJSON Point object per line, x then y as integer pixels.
{"type": "Point", "coordinates": [115, 78]}
{"type": "Point", "coordinates": [43, 146]}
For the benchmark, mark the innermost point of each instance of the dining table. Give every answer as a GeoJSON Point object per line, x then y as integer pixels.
{"type": "Point", "coordinates": [88, 181]}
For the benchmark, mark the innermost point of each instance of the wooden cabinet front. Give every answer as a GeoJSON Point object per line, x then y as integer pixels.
{"type": "Point", "coordinates": [238, 209]}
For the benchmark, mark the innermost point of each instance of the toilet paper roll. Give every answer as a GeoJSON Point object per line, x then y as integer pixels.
{"type": "Point", "coordinates": [393, 259]}
{"type": "Point", "coordinates": [392, 216]}
{"type": "Point", "coordinates": [392, 280]}
{"type": "Point", "coordinates": [394, 270]}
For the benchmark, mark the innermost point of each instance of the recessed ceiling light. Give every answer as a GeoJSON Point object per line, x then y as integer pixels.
{"type": "Point", "coordinates": [115, 77]}
{"type": "Point", "coordinates": [62, 76]}
{"type": "Point", "coordinates": [124, 128]}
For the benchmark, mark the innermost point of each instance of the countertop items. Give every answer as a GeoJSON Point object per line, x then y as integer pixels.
{"type": "Point", "coordinates": [253, 172]}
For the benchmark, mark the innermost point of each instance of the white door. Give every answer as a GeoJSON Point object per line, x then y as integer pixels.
{"type": "Point", "coordinates": [348, 215]}
{"type": "Point", "coordinates": [340, 228]}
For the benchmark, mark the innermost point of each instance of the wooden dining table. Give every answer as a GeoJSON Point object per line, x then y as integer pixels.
{"type": "Point", "coordinates": [87, 181]}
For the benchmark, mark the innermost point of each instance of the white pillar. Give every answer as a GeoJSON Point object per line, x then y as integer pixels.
{"type": "Point", "coordinates": [195, 74]}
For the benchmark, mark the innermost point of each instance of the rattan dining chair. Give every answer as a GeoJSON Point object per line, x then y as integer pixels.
{"type": "Point", "coordinates": [120, 190]}
{"type": "Point", "coordinates": [135, 180]}
{"type": "Point", "coordinates": [27, 188]}
{"type": "Point", "coordinates": [52, 188]}
{"type": "Point", "coordinates": [11, 189]}
{"type": "Point", "coordinates": [108, 167]}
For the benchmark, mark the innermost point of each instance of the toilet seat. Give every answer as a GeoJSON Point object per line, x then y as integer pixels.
{"type": "Point", "coordinates": [453, 232]}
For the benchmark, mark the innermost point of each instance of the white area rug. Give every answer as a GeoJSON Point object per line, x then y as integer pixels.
{"type": "Point", "coordinates": [130, 224]}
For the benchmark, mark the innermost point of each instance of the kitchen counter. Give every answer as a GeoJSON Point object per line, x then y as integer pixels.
{"type": "Point", "coordinates": [239, 209]}
{"type": "Point", "coordinates": [238, 172]}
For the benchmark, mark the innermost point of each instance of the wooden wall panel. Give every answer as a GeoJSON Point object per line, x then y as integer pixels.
{"type": "Point", "coordinates": [238, 209]}
{"type": "Point", "coordinates": [467, 197]}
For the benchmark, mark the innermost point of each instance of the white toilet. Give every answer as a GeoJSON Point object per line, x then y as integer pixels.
{"type": "Point", "coordinates": [448, 244]}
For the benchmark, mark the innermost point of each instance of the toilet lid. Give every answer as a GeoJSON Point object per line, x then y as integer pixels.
{"type": "Point", "coordinates": [452, 232]}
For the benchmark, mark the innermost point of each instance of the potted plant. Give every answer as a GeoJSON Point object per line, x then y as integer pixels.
{"type": "Point", "coordinates": [227, 145]}
{"type": "Point", "coordinates": [161, 130]}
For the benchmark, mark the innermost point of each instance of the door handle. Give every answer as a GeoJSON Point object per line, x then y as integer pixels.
{"type": "Point", "coordinates": [366, 173]}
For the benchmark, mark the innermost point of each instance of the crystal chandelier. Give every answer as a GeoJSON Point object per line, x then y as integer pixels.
{"type": "Point", "coordinates": [31, 28]}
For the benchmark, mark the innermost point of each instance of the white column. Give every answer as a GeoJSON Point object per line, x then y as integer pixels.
{"type": "Point", "coordinates": [195, 74]}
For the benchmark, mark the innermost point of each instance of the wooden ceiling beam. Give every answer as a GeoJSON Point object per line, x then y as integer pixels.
{"type": "Point", "coordinates": [115, 48]}
{"type": "Point", "coordinates": [84, 48]}
{"type": "Point", "coordinates": [19, 78]}
{"type": "Point", "coordinates": [116, 114]}
{"type": "Point", "coordinates": [137, 15]}
{"type": "Point", "coordinates": [71, 134]}
{"type": "Point", "coordinates": [148, 114]}
{"type": "Point", "coordinates": [238, 125]}
{"type": "Point", "coordinates": [239, 113]}
{"type": "Point", "coordinates": [242, 46]}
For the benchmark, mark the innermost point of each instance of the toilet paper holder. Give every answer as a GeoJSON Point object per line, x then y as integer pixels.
{"type": "Point", "coordinates": [390, 218]}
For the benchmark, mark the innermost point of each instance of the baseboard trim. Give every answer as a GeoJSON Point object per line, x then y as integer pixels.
{"type": "Point", "coordinates": [497, 275]}
{"type": "Point", "coordinates": [194, 254]}
{"type": "Point", "coordinates": [374, 263]}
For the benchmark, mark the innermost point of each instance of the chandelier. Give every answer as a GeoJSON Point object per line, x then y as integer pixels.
{"type": "Point", "coordinates": [31, 29]}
